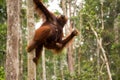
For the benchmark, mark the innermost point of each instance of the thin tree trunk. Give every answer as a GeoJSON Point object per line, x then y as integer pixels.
{"type": "Point", "coordinates": [61, 68]}
{"type": "Point", "coordinates": [67, 11]}
{"type": "Point", "coordinates": [54, 64]}
{"type": "Point", "coordinates": [98, 61]}
{"type": "Point", "coordinates": [12, 56]}
{"type": "Point", "coordinates": [99, 41]}
{"type": "Point", "coordinates": [105, 57]}
{"type": "Point", "coordinates": [43, 64]}
{"type": "Point", "coordinates": [20, 57]}
{"type": "Point", "coordinates": [64, 8]}
{"type": "Point", "coordinates": [70, 60]}
{"type": "Point", "coordinates": [31, 29]}
{"type": "Point", "coordinates": [20, 47]}
{"type": "Point", "coordinates": [70, 48]}
{"type": "Point", "coordinates": [79, 57]}
{"type": "Point", "coordinates": [102, 14]}
{"type": "Point", "coordinates": [80, 35]}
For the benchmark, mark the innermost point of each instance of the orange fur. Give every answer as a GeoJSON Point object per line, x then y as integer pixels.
{"type": "Point", "coordinates": [50, 33]}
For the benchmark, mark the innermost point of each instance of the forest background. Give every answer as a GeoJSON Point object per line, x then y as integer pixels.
{"type": "Point", "coordinates": [93, 55]}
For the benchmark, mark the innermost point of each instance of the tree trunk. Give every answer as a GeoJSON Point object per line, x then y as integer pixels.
{"type": "Point", "coordinates": [79, 57]}
{"type": "Point", "coordinates": [20, 47]}
{"type": "Point", "coordinates": [43, 64]}
{"type": "Point", "coordinates": [61, 67]}
{"type": "Point", "coordinates": [12, 57]}
{"type": "Point", "coordinates": [20, 57]}
{"type": "Point", "coordinates": [70, 48]}
{"type": "Point", "coordinates": [67, 11]}
{"type": "Point", "coordinates": [31, 29]}
{"type": "Point", "coordinates": [98, 60]}
{"type": "Point", "coordinates": [54, 65]}
{"type": "Point", "coordinates": [70, 59]}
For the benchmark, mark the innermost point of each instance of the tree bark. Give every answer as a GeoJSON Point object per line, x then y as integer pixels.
{"type": "Point", "coordinates": [20, 46]}
{"type": "Point", "coordinates": [31, 29]}
{"type": "Point", "coordinates": [98, 60]}
{"type": "Point", "coordinates": [54, 65]}
{"type": "Point", "coordinates": [67, 11]}
{"type": "Point", "coordinates": [20, 57]}
{"type": "Point", "coordinates": [79, 59]}
{"type": "Point", "coordinates": [70, 48]}
{"type": "Point", "coordinates": [12, 56]}
{"type": "Point", "coordinates": [70, 60]}
{"type": "Point", "coordinates": [43, 64]}
{"type": "Point", "coordinates": [61, 68]}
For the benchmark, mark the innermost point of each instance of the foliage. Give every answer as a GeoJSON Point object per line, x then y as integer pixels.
{"type": "Point", "coordinates": [3, 14]}
{"type": "Point", "coordinates": [2, 73]}
{"type": "Point", "coordinates": [91, 13]}
{"type": "Point", "coordinates": [3, 33]}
